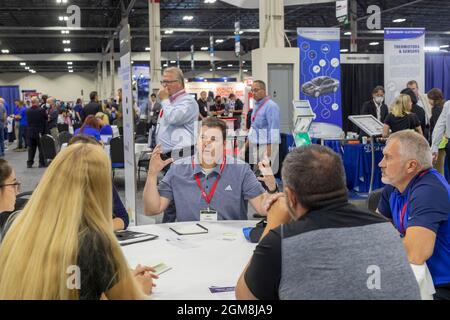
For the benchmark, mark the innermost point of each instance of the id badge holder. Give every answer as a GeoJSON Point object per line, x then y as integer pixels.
{"type": "Point", "coordinates": [208, 215]}
{"type": "Point", "coordinates": [152, 113]}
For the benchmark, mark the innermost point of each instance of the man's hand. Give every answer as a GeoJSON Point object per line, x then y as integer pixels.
{"type": "Point", "coordinates": [163, 94]}
{"type": "Point", "coordinates": [144, 276]}
{"type": "Point", "coordinates": [156, 163]}
{"type": "Point", "coordinates": [270, 200]}
{"type": "Point", "coordinates": [278, 213]}
{"type": "Point", "coordinates": [268, 178]}
{"type": "Point", "coordinates": [435, 156]}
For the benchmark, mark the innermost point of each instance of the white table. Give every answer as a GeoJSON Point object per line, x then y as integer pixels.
{"type": "Point", "coordinates": [198, 261]}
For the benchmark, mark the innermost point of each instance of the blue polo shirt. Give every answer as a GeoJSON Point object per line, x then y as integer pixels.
{"type": "Point", "coordinates": [89, 131]}
{"type": "Point", "coordinates": [106, 130]}
{"type": "Point", "coordinates": [236, 186]}
{"type": "Point", "coordinates": [23, 114]}
{"type": "Point", "coordinates": [424, 203]}
{"type": "Point", "coordinates": [265, 124]}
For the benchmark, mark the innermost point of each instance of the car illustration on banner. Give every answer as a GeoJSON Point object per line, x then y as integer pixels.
{"type": "Point", "coordinates": [320, 85]}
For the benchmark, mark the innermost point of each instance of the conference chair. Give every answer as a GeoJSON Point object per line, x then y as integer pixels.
{"type": "Point", "coordinates": [141, 128]}
{"type": "Point", "coordinates": [64, 137]}
{"type": "Point", "coordinates": [48, 146]}
{"type": "Point", "coordinates": [117, 154]}
{"type": "Point", "coordinates": [373, 199]}
{"type": "Point", "coordinates": [62, 127]}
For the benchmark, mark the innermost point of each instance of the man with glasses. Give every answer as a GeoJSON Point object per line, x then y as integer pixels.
{"type": "Point", "coordinates": [208, 186]}
{"type": "Point", "coordinates": [264, 132]}
{"type": "Point", "coordinates": [175, 128]}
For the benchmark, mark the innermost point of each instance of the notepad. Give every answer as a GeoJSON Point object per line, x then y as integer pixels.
{"type": "Point", "coordinates": [189, 229]}
{"type": "Point", "coordinates": [161, 268]}
{"type": "Point", "coordinates": [126, 237]}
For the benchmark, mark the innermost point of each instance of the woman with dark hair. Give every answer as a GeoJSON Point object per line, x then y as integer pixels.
{"type": "Point", "coordinates": [420, 113]}
{"type": "Point", "coordinates": [90, 127]}
{"type": "Point", "coordinates": [436, 99]}
{"type": "Point", "coordinates": [9, 188]}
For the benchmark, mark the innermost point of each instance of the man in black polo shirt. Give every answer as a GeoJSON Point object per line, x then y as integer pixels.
{"type": "Point", "coordinates": [92, 107]}
{"type": "Point", "coordinates": [37, 121]}
{"type": "Point", "coordinates": [318, 246]}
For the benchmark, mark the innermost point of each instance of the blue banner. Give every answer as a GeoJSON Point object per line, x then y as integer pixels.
{"type": "Point", "coordinates": [320, 78]}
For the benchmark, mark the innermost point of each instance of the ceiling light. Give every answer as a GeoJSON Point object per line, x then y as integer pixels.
{"type": "Point", "coordinates": [431, 49]}
{"type": "Point", "coordinates": [6, 51]}
{"type": "Point", "coordinates": [219, 68]}
{"type": "Point", "coordinates": [398, 20]}
{"type": "Point", "coordinates": [230, 65]}
{"type": "Point", "coordinates": [168, 31]}
{"type": "Point", "coordinates": [61, 1]}
{"type": "Point", "coordinates": [61, 18]}
{"type": "Point", "coordinates": [241, 32]}
{"type": "Point", "coordinates": [210, 70]}
{"type": "Point", "coordinates": [69, 62]}
{"type": "Point", "coordinates": [147, 49]}
{"type": "Point", "coordinates": [374, 43]}
{"type": "Point", "coordinates": [27, 68]}
{"type": "Point", "coordinates": [444, 46]}
{"type": "Point", "coordinates": [67, 49]}
{"type": "Point", "coordinates": [245, 70]}
{"type": "Point", "coordinates": [65, 31]}
{"type": "Point", "coordinates": [173, 61]}
{"type": "Point", "coordinates": [69, 67]}
{"type": "Point", "coordinates": [132, 61]}
{"type": "Point", "coordinates": [348, 33]}
{"type": "Point", "coordinates": [210, 1]}
{"type": "Point", "coordinates": [66, 41]}
{"type": "Point", "coordinates": [219, 40]}
{"type": "Point", "coordinates": [165, 65]}
{"type": "Point", "coordinates": [71, 71]}
{"type": "Point", "coordinates": [66, 18]}
{"type": "Point", "coordinates": [344, 50]}
{"type": "Point", "coordinates": [188, 18]}
{"type": "Point", "coordinates": [23, 64]}
{"type": "Point", "coordinates": [204, 48]}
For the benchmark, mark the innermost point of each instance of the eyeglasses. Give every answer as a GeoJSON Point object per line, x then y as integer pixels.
{"type": "Point", "coordinates": [168, 81]}
{"type": "Point", "coordinates": [255, 90]}
{"type": "Point", "coordinates": [16, 185]}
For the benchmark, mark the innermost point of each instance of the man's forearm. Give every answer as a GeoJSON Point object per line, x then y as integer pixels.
{"type": "Point", "coordinates": [152, 200]}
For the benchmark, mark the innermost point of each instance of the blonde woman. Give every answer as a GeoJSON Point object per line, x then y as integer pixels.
{"type": "Point", "coordinates": [62, 244]}
{"type": "Point", "coordinates": [400, 117]}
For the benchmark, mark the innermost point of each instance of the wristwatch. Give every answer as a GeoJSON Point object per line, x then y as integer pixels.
{"type": "Point", "coordinates": [273, 191]}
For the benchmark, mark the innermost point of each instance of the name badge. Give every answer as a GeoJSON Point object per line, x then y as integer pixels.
{"type": "Point", "coordinates": [208, 215]}
{"type": "Point", "coordinates": [151, 113]}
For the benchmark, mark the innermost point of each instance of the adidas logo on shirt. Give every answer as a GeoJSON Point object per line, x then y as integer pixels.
{"type": "Point", "coordinates": [228, 188]}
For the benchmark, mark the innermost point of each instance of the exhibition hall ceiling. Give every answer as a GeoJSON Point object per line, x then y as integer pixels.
{"type": "Point", "coordinates": [34, 26]}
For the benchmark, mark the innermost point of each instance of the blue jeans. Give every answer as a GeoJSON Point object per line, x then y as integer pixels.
{"type": "Point", "coordinates": [2, 140]}
{"type": "Point", "coordinates": [22, 137]}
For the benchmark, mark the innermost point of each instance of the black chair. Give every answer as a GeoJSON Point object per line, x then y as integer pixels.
{"type": "Point", "coordinates": [143, 162]}
{"type": "Point", "coordinates": [48, 145]}
{"type": "Point", "coordinates": [120, 130]}
{"type": "Point", "coordinates": [141, 128]}
{"type": "Point", "coordinates": [22, 199]}
{"type": "Point", "coordinates": [117, 154]}
{"type": "Point", "coordinates": [140, 139]}
{"type": "Point", "coordinates": [374, 199]}
{"type": "Point", "coordinates": [63, 127]}
{"type": "Point", "coordinates": [77, 126]}
{"type": "Point", "coordinates": [64, 137]}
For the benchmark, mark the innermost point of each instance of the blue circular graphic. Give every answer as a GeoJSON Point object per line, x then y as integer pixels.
{"type": "Point", "coordinates": [325, 113]}
{"type": "Point", "coordinates": [312, 55]}
{"type": "Point", "coordinates": [327, 99]}
{"type": "Point", "coordinates": [325, 48]}
{"type": "Point", "coordinates": [305, 46]}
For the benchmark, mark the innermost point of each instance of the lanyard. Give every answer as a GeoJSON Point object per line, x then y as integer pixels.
{"type": "Point", "coordinates": [259, 108]}
{"type": "Point", "coordinates": [172, 100]}
{"type": "Point", "coordinates": [208, 197]}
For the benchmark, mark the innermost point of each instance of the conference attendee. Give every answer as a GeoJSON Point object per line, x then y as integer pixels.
{"type": "Point", "coordinates": [90, 127]}
{"type": "Point", "coordinates": [236, 107]}
{"type": "Point", "coordinates": [417, 200]}
{"type": "Point", "coordinates": [442, 131]}
{"type": "Point", "coordinates": [16, 116]}
{"type": "Point", "coordinates": [53, 114]}
{"type": "Point", "coordinates": [436, 99]}
{"type": "Point", "coordinates": [218, 108]}
{"type": "Point", "coordinates": [376, 105]}
{"type": "Point", "coordinates": [92, 107]}
{"type": "Point", "coordinates": [208, 185]}
{"type": "Point", "coordinates": [176, 123]}
{"type": "Point", "coordinates": [3, 116]}
{"type": "Point", "coordinates": [78, 109]}
{"type": "Point", "coordinates": [105, 128]}
{"type": "Point", "coordinates": [202, 105]}
{"type": "Point", "coordinates": [418, 111]}
{"type": "Point", "coordinates": [37, 122]}
{"type": "Point", "coordinates": [422, 102]}
{"type": "Point", "coordinates": [120, 214]}
{"type": "Point", "coordinates": [21, 119]}
{"type": "Point", "coordinates": [9, 187]}
{"type": "Point", "coordinates": [44, 105]}
{"type": "Point", "coordinates": [315, 244]}
{"type": "Point", "coordinates": [46, 245]}
{"type": "Point", "coordinates": [154, 109]}
{"type": "Point", "coordinates": [264, 134]}
{"type": "Point", "coordinates": [401, 117]}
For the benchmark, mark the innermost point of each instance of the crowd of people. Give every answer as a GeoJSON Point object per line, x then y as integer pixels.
{"type": "Point", "coordinates": [316, 244]}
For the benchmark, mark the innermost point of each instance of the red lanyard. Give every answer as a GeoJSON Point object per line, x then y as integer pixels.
{"type": "Point", "coordinates": [260, 107]}
{"type": "Point", "coordinates": [208, 197]}
{"type": "Point", "coordinates": [172, 100]}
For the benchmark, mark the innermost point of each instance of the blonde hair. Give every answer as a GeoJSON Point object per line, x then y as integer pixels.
{"type": "Point", "coordinates": [103, 117]}
{"type": "Point", "coordinates": [401, 105]}
{"type": "Point", "coordinates": [43, 242]}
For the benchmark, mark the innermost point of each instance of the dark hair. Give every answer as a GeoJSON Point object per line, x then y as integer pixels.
{"type": "Point", "coordinates": [436, 95]}
{"type": "Point", "coordinates": [378, 88]}
{"type": "Point", "coordinates": [91, 121]}
{"type": "Point", "coordinates": [232, 95]}
{"type": "Point", "coordinates": [5, 171]}
{"type": "Point", "coordinates": [261, 83]}
{"type": "Point", "coordinates": [214, 122]}
{"type": "Point", "coordinates": [316, 175]}
{"type": "Point", "coordinates": [92, 95]}
{"type": "Point", "coordinates": [82, 138]}
{"type": "Point", "coordinates": [78, 100]}
{"type": "Point", "coordinates": [411, 94]}
{"type": "Point", "coordinates": [153, 95]}
{"type": "Point", "coordinates": [411, 82]}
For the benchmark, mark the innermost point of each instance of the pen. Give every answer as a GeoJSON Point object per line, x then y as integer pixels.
{"type": "Point", "coordinates": [201, 226]}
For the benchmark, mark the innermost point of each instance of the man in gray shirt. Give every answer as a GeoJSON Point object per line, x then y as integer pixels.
{"type": "Point", "coordinates": [316, 245]}
{"type": "Point", "coordinates": [208, 186]}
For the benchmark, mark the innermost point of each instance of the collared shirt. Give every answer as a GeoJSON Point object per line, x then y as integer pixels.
{"type": "Point", "coordinates": [442, 127]}
{"type": "Point", "coordinates": [176, 123]}
{"type": "Point", "coordinates": [236, 186]}
{"type": "Point", "coordinates": [424, 203]}
{"type": "Point", "coordinates": [23, 117]}
{"type": "Point", "coordinates": [265, 126]}
{"type": "Point", "coordinates": [378, 110]}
